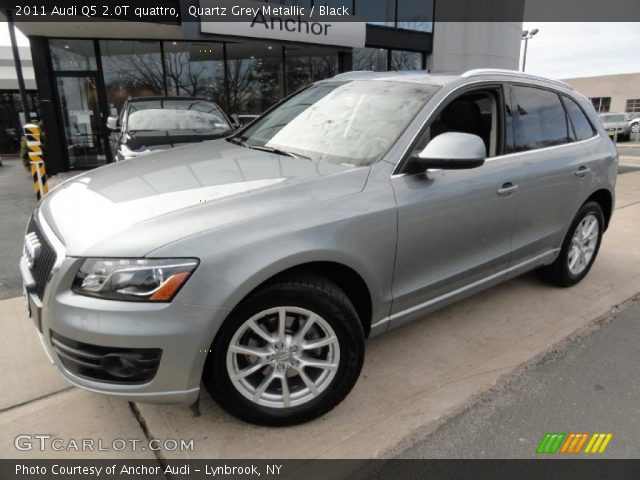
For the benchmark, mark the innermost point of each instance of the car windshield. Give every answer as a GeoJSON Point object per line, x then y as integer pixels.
{"type": "Point", "coordinates": [613, 118]}
{"type": "Point", "coordinates": [353, 123]}
{"type": "Point", "coordinates": [177, 117]}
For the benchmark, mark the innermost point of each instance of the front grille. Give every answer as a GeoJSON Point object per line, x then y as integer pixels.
{"type": "Point", "coordinates": [107, 364]}
{"type": "Point", "coordinates": [44, 263]}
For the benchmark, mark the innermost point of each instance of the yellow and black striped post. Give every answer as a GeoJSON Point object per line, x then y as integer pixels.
{"type": "Point", "coordinates": [33, 135]}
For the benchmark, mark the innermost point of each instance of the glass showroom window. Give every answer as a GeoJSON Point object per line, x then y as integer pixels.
{"type": "Point", "coordinates": [415, 15]}
{"type": "Point", "coordinates": [195, 69]}
{"type": "Point", "coordinates": [374, 59]}
{"type": "Point", "coordinates": [377, 12]}
{"type": "Point", "coordinates": [131, 69]}
{"type": "Point", "coordinates": [255, 77]}
{"type": "Point", "coordinates": [308, 65]}
{"type": "Point", "coordinates": [403, 60]}
{"type": "Point", "coordinates": [72, 55]}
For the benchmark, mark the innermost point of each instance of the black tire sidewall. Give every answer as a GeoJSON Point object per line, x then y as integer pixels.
{"type": "Point", "coordinates": [339, 314]}
{"type": "Point", "coordinates": [591, 208]}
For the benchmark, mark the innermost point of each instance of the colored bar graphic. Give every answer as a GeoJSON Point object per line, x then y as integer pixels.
{"type": "Point", "coordinates": [598, 443]}
{"type": "Point", "coordinates": [551, 442]}
{"type": "Point", "coordinates": [573, 443]}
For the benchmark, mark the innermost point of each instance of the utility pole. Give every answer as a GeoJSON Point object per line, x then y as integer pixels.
{"type": "Point", "coordinates": [526, 35]}
{"type": "Point", "coordinates": [16, 60]}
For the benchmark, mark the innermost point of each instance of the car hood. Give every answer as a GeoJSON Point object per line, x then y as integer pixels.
{"type": "Point", "coordinates": [133, 207]}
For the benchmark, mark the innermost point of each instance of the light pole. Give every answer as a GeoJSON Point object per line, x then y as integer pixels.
{"type": "Point", "coordinates": [526, 35]}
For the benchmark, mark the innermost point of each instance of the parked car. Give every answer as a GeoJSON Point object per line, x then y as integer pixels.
{"type": "Point", "coordinates": [634, 122]}
{"type": "Point", "coordinates": [616, 124]}
{"type": "Point", "coordinates": [260, 263]}
{"type": "Point", "coordinates": [149, 124]}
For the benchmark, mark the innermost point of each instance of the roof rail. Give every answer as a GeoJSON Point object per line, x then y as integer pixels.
{"type": "Point", "coordinates": [513, 73]}
{"type": "Point", "coordinates": [356, 74]}
{"type": "Point", "coordinates": [364, 74]}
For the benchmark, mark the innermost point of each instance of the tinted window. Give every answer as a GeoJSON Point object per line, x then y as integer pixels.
{"type": "Point", "coordinates": [374, 59]}
{"type": "Point", "coordinates": [255, 77]}
{"type": "Point", "coordinates": [581, 125]}
{"type": "Point", "coordinates": [131, 69]}
{"type": "Point", "coordinates": [538, 119]}
{"type": "Point", "coordinates": [403, 60]}
{"type": "Point", "coordinates": [195, 69]}
{"type": "Point", "coordinates": [72, 54]}
{"type": "Point", "coordinates": [377, 12]}
{"type": "Point", "coordinates": [415, 15]}
{"type": "Point", "coordinates": [305, 65]}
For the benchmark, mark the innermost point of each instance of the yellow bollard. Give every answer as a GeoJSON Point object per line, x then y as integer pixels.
{"type": "Point", "coordinates": [33, 135]}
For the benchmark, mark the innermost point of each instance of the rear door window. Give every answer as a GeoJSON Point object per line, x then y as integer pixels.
{"type": "Point", "coordinates": [581, 126]}
{"type": "Point", "coordinates": [538, 119]}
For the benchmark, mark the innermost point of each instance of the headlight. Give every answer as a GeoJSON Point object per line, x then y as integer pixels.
{"type": "Point", "coordinates": [139, 280]}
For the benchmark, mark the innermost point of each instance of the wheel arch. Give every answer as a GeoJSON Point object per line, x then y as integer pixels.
{"type": "Point", "coordinates": [604, 198]}
{"type": "Point", "coordinates": [346, 276]}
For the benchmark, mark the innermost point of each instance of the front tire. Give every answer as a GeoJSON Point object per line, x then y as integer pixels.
{"type": "Point", "coordinates": [288, 353]}
{"type": "Point", "coordinates": [579, 249]}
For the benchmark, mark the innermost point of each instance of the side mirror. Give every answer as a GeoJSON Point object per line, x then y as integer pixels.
{"type": "Point", "coordinates": [235, 121]}
{"type": "Point", "coordinates": [113, 123]}
{"type": "Point", "coordinates": [452, 151]}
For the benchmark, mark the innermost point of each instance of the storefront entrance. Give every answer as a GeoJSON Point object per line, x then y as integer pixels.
{"type": "Point", "coordinates": [83, 120]}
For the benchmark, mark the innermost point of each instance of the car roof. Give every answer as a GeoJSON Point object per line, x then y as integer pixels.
{"type": "Point", "coordinates": [441, 79]}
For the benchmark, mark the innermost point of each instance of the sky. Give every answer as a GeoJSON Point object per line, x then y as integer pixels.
{"type": "Point", "coordinates": [559, 50]}
{"type": "Point", "coordinates": [568, 50]}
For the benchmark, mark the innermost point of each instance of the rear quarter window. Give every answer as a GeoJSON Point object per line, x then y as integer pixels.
{"type": "Point", "coordinates": [581, 125]}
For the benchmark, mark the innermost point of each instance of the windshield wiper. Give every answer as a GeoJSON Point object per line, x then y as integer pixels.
{"type": "Point", "coordinates": [277, 151]}
{"type": "Point", "coordinates": [264, 148]}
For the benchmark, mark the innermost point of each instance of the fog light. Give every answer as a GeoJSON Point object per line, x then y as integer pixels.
{"type": "Point", "coordinates": [119, 366]}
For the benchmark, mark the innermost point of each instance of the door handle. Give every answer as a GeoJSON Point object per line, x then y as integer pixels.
{"type": "Point", "coordinates": [507, 189]}
{"type": "Point", "coordinates": [582, 171]}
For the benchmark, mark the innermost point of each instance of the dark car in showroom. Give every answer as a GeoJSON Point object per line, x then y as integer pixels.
{"type": "Point", "coordinates": [148, 124]}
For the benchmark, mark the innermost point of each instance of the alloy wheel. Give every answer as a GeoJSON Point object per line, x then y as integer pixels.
{"type": "Point", "coordinates": [583, 244]}
{"type": "Point", "coordinates": [283, 357]}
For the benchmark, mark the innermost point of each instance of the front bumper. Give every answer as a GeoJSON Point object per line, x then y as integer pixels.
{"type": "Point", "coordinates": [182, 332]}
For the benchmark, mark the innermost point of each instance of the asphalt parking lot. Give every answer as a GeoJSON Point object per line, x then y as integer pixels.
{"type": "Point", "coordinates": [581, 386]}
{"type": "Point", "coordinates": [414, 378]}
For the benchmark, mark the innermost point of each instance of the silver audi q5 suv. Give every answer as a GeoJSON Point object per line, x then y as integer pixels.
{"type": "Point", "coordinates": [257, 265]}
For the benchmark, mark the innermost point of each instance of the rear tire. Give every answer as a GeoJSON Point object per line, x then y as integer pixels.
{"type": "Point", "coordinates": [285, 353]}
{"type": "Point", "coordinates": [578, 251]}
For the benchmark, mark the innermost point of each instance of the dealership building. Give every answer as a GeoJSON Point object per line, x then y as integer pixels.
{"type": "Point", "coordinates": [610, 93]}
{"type": "Point", "coordinates": [85, 71]}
